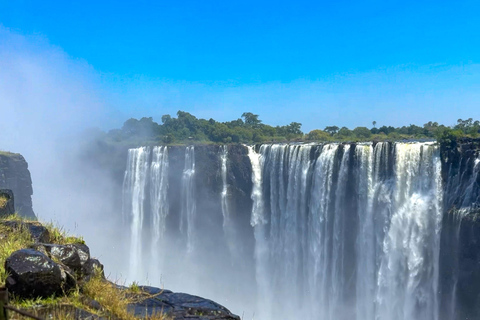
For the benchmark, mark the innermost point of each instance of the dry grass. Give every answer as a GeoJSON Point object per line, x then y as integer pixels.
{"type": "Point", "coordinates": [59, 236]}
{"type": "Point", "coordinates": [10, 242]}
{"type": "Point", "coordinates": [115, 300]}
{"type": "Point", "coordinates": [3, 201]}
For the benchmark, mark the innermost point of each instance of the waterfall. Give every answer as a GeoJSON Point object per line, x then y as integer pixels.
{"type": "Point", "coordinates": [187, 214]}
{"type": "Point", "coordinates": [159, 205]}
{"type": "Point", "coordinates": [134, 186]}
{"type": "Point", "coordinates": [258, 223]}
{"type": "Point", "coordinates": [224, 195]}
{"type": "Point", "coordinates": [336, 231]}
{"type": "Point", "coordinates": [347, 231]}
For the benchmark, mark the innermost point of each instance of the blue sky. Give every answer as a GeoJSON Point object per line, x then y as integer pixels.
{"type": "Point", "coordinates": [316, 62]}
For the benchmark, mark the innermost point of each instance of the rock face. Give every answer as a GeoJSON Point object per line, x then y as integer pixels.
{"type": "Point", "coordinates": [7, 204]}
{"type": "Point", "coordinates": [460, 239]}
{"type": "Point", "coordinates": [180, 306]}
{"type": "Point", "coordinates": [14, 175]}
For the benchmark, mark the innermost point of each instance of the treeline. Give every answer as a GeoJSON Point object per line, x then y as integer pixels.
{"type": "Point", "coordinates": [186, 128]}
{"type": "Point", "coordinates": [430, 130]}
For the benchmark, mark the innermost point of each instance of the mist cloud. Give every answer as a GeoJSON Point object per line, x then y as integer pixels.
{"type": "Point", "coordinates": [47, 100]}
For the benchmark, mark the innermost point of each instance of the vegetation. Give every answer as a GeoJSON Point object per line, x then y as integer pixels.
{"type": "Point", "coordinates": [112, 299]}
{"type": "Point", "coordinates": [186, 128]}
{"type": "Point", "coordinates": [3, 201]}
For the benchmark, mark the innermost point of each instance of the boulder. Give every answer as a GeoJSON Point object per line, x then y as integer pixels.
{"type": "Point", "coordinates": [32, 274]}
{"type": "Point", "coordinates": [7, 206]}
{"type": "Point", "coordinates": [180, 306]}
{"type": "Point", "coordinates": [37, 231]}
{"type": "Point", "coordinates": [72, 255]}
{"type": "Point", "coordinates": [90, 268]}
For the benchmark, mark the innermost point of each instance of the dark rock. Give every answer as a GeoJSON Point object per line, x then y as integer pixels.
{"type": "Point", "coordinates": [460, 239]}
{"type": "Point", "coordinates": [180, 306]}
{"type": "Point", "coordinates": [38, 232]}
{"type": "Point", "coordinates": [66, 254]}
{"type": "Point", "coordinates": [7, 205]}
{"type": "Point", "coordinates": [32, 274]}
{"type": "Point", "coordinates": [14, 175]}
{"type": "Point", "coordinates": [90, 268]}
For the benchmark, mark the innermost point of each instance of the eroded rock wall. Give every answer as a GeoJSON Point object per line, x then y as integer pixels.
{"type": "Point", "coordinates": [14, 175]}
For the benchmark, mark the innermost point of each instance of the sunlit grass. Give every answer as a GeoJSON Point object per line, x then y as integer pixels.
{"type": "Point", "coordinates": [59, 236]}
{"type": "Point", "coordinates": [3, 201]}
{"type": "Point", "coordinates": [11, 241]}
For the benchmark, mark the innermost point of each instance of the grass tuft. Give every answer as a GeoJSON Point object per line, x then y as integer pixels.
{"type": "Point", "coordinates": [11, 242]}
{"type": "Point", "coordinates": [59, 236]}
{"type": "Point", "coordinates": [3, 201]}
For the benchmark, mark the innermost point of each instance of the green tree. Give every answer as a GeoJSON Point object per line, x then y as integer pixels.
{"type": "Point", "coordinates": [251, 119]}
{"type": "Point", "coordinates": [362, 132]}
{"type": "Point", "coordinates": [332, 130]}
{"type": "Point", "coordinates": [318, 135]}
{"type": "Point", "coordinates": [343, 133]}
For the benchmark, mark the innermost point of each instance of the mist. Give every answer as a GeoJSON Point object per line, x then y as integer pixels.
{"type": "Point", "coordinates": [48, 101]}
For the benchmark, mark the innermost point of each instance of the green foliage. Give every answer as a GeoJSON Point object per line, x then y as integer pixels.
{"type": "Point", "coordinates": [59, 235]}
{"type": "Point", "coordinates": [362, 132]}
{"type": "Point", "coordinates": [318, 135]}
{"type": "Point", "coordinates": [186, 128]}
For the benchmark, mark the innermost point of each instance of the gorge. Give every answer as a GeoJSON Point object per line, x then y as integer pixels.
{"type": "Point", "coordinates": [310, 231]}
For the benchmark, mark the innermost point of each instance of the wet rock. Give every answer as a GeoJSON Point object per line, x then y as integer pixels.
{"type": "Point", "coordinates": [32, 274]}
{"type": "Point", "coordinates": [7, 206]}
{"type": "Point", "coordinates": [180, 306]}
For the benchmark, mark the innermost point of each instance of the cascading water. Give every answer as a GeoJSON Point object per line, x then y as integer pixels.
{"type": "Point", "coordinates": [341, 231]}
{"type": "Point", "coordinates": [187, 218]}
{"type": "Point", "coordinates": [134, 186]}
{"type": "Point", "coordinates": [350, 232]}
{"type": "Point", "coordinates": [145, 178]}
{"type": "Point", "coordinates": [225, 209]}
{"type": "Point", "coordinates": [159, 205]}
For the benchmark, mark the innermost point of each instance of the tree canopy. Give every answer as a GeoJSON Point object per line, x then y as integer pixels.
{"type": "Point", "coordinates": [186, 128]}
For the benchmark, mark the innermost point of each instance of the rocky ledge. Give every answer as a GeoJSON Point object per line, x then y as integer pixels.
{"type": "Point", "coordinates": [47, 270]}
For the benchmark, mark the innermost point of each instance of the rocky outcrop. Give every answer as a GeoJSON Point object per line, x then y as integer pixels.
{"type": "Point", "coordinates": [14, 175]}
{"type": "Point", "coordinates": [180, 306]}
{"type": "Point", "coordinates": [48, 269]}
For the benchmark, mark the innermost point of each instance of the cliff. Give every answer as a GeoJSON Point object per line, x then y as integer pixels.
{"type": "Point", "coordinates": [225, 239]}
{"type": "Point", "coordinates": [460, 241]}
{"type": "Point", "coordinates": [14, 175]}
